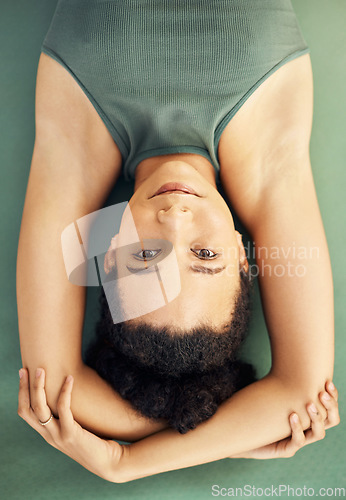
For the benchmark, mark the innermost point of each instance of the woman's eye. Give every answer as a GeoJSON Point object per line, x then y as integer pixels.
{"type": "Point", "coordinates": [205, 253]}
{"type": "Point", "coordinates": [146, 254]}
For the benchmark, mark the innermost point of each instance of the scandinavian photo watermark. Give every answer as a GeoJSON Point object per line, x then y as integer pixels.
{"type": "Point", "coordinates": [273, 261]}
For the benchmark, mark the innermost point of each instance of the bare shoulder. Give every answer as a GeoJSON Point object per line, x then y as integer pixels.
{"type": "Point", "coordinates": [64, 115]}
{"type": "Point", "coordinates": [267, 141]}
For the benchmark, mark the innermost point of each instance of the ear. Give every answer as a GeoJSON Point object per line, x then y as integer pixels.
{"type": "Point", "coordinates": [243, 262]}
{"type": "Point", "coordinates": [109, 260]}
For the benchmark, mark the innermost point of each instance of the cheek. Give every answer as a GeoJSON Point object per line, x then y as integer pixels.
{"type": "Point", "coordinates": [221, 214]}
{"type": "Point", "coordinates": [227, 245]}
{"type": "Point", "coordinates": [129, 229]}
{"type": "Point", "coordinates": [223, 231]}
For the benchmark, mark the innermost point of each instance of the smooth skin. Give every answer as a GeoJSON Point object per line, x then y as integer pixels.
{"type": "Point", "coordinates": [266, 174]}
{"type": "Point", "coordinates": [102, 457]}
{"type": "Point", "coordinates": [201, 228]}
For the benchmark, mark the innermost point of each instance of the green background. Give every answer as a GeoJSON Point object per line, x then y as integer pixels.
{"type": "Point", "coordinates": [29, 468]}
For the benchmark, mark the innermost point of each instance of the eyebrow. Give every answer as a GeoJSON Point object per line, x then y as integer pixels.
{"type": "Point", "coordinates": [149, 269]}
{"type": "Point", "coordinates": [206, 270]}
{"type": "Point", "coordinates": [194, 269]}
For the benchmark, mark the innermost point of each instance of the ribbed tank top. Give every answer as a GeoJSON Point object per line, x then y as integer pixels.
{"type": "Point", "coordinates": [167, 76]}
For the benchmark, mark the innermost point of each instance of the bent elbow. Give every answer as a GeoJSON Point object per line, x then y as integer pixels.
{"type": "Point", "coordinates": [302, 395]}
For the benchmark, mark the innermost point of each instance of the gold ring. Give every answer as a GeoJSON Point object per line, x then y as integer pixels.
{"type": "Point", "coordinates": [47, 421]}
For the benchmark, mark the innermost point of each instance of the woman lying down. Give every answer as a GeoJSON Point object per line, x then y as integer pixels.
{"type": "Point", "coordinates": [201, 109]}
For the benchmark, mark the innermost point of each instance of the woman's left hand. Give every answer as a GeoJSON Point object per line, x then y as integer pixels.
{"type": "Point", "coordinates": [95, 454]}
{"type": "Point", "coordinates": [288, 447]}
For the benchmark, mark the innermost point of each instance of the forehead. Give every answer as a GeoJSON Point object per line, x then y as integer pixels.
{"type": "Point", "coordinates": [186, 313]}
{"type": "Point", "coordinates": [204, 299]}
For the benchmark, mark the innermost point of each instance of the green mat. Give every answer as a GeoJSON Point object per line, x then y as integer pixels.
{"type": "Point", "coordinates": [29, 468]}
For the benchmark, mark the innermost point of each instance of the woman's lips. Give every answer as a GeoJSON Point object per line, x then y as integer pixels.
{"type": "Point", "coordinates": [175, 186]}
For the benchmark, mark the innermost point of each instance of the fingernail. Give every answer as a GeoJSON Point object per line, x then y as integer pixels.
{"type": "Point", "coordinates": [38, 372]}
{"type": "Point", "coordinates": [21, 373]}
{"type": "Point", "coordinates": [294, 418]}
{"type": "Point", "coordinates": [326, 396]}
{"type": "Point", "coordinates": [313, 408]}
{"type": "Point", "coordinates": [69, 378]}
{"type": "Point", "coordinates": [331, 386]}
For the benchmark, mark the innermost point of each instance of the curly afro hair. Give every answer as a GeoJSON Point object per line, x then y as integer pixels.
{"type": "Point", "coordinates": [182, 378]}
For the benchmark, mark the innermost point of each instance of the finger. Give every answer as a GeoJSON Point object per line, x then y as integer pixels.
{"type": "Point", "coordinates": [38, 398]}
{"type": "Point", "coordinates": [332, 408]}
{"type": "Point", "coordinates": [42, 411]}
{"type": "Point", "coordinates": [332, 390]}
{"type": "Point", "coordinates": [24, 409]}
{"type": "Point", "coordinates": [317, 431]}
{"type": "Point", "coordinates": [64, 407]}
{"type": "Point", "coordinates": [298, 437]}
{"type": "Point", "coordinates": [23, 395]}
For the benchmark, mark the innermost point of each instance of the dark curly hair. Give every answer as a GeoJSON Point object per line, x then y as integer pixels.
{"type": "Point", "coordinates": [182, 378]}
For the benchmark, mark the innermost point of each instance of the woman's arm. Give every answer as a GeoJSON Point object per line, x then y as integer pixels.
{"type": "Point", "coordinates": [253, 417]}
{"type": "Point", "coordinates": [269, 182]}
{"type": "Point", "coordinates": [74, 166]}
{"type": "Point", "coordinates": [109, 459]}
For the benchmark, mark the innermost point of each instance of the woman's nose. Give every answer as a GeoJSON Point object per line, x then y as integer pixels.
{"type": "Point", "coordinates": [174, 215]}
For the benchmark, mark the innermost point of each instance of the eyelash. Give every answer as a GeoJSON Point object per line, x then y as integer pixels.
{"type": "Point", "coordinates": [138, 257]}
{"type": "Point", "coordinates": [205, 258]}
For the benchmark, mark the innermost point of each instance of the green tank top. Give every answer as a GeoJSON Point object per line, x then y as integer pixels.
{"type": "Point", "coordinates": [167, 76]}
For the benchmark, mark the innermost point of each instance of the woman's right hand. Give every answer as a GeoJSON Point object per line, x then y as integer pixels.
{"type": "Point", "coordinates": [288, 447]}
{"type": "Point", "coordinates": [98, 455]}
